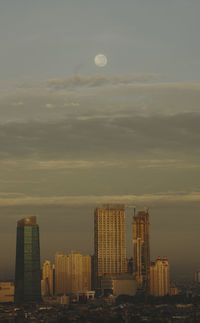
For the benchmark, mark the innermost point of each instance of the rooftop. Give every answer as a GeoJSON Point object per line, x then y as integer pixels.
{"type": "Point", "coordinates": [29, 221]}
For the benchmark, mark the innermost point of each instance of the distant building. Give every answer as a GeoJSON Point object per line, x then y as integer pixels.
{"type": "Point", "coordinates": [174, 291]}
{"type": "Point", "coordinates": [159, 277]}
{"type": "Point", "coordinates": [119, 285]}
{"type": "Point", "coordinates": [72, 273]}
{"type": "Point", "coordinates": [85, 296]}
{"type": "Point", "coordinates": [7, 290]}
{"type": "Point", "coordinates": [27, 270]}
{"type": "Point", "coordinates": [197, 276]}
{"type": "Point", "coordinates": [64, 300]}
{"type": "Point", "coordinates": [141, 249]}
{"type": "Point", "coordinates": [92, 273]}
{"type": "Point", "coordinates": [86, 272]}
{"type": "Point", "coordinates": [130, 265]}
{"type": "Point", "coordinates": [109, 241]}
{"type": "Point", "coordinates": [47, 283]}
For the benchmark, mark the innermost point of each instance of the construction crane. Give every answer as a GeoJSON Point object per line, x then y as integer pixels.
{"type": "Point", "coordinates": [128, 206]}
{"type": "Point", "coordinates": [146, 208]}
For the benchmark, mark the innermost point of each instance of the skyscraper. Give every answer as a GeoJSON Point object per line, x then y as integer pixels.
{"type": "Point", "coordinates": [80, 272]}
{"type": "Point", "coordinates": [47, 279]}
{"type": "Point", "coordinates": [141, 249]}
{"type": "Point", "coordinates": [109, 241]}
{"type": "Point", "coordinates": [27, 269]}
{"type": "Point", "coordinates": [159, 277]}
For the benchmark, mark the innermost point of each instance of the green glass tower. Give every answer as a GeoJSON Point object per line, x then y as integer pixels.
{"type": "Point", "coordinates": [27, 267]}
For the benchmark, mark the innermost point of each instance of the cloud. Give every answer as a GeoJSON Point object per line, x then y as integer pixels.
{"type": "Point", "coordinates": [100, 80]}
{"type": "Point", "coordinates": [35, 164]}
{"type": "Point", "coordinates": [109, 100]}
{"type": "Point", "coordinates": [168, 163]}
{"type": "Point", "coordinates": [49, 105]}
{"type": "Point", "coordinates": [150, 200]}
{"type": "Point", "coordinates": [123, 121]}
{"type": "Point", "coordinates": [111, 136]}
{"type": "Point", "coordinates": [71, 104]}
{"type": "Point", "coordinates": [4, 195]}
{"type": "Point", "coordinates": [18, 104]}
{"type": "Point", "coordinates": [72, 164]}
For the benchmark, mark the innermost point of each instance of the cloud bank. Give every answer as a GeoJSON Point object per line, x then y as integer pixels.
{"type": "Point", "coordinates": [150, 200]}
{"type": "Point", "coordinates": [100, 80]}
{"type": "Point", "coordinates": [90, 137]}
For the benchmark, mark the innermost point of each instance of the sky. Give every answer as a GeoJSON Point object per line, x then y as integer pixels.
{"type": "Point", "coordinates": [74, 136]}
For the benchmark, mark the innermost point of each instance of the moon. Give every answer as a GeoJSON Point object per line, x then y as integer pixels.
{"type": "Point", "coordinates": [100, 60]}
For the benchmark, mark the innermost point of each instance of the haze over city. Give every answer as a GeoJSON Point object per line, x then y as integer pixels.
{"type": "Point", "coordinates": [74, 135]}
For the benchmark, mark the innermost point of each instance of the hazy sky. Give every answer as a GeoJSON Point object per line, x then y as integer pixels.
{"type": "Point", "coordinates": [73, 135]}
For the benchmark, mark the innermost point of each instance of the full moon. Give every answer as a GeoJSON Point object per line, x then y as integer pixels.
{"type": "Point", "coordinates": [100, 60]}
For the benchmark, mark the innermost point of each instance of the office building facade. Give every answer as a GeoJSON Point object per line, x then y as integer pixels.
{"type": "Point", "coordinates": [72, 273]}
{"type": "Point", "coordinates": [109, 241]}
{"type": "Point", "coordinates": [27, 268]}
{"type": "Point", "coordinates": [61, 274]}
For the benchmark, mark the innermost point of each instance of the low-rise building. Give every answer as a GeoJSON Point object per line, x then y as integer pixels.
{"type": "Point", "coordinates": [7, 291]}
{"type": "Point", "coordinates": [124, 284]}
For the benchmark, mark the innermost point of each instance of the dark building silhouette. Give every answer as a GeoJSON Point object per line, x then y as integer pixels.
{"type": "Point", "coordinates": [27, 268]}
{"type": "Point", "coordinates": [141, 249]}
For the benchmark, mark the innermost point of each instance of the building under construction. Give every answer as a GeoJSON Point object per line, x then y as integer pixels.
{"type": "Point", "coordinates": [141, 249]}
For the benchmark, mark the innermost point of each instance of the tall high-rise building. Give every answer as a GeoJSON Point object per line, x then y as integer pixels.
{"type": "Point", "coordinates": [75, 272]}
{"type": "Point", "coordinates": [159, 277]}
{"type": "Point", "coordinates": [61, 273]}
{"type": "Point", "coordinates": [27, 269]}
{"type": "Point", "coordinates": [141, 249]}
{"type": "Point", "coordinates": [109, 241]}
{"type": "Point", "coordinates": [47, 279]}
{"type": "Point", "coordinates": [72, 273]}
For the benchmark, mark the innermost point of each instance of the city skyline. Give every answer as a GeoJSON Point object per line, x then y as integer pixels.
{"type": "Point", "coordinates": [87, 246]}
{"type": "Point", "coordinates": [107, 269]}
{"type": "Point", "coordinates": [106, 215]}
{"type": "Point", "coordinates": [75, 135]}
